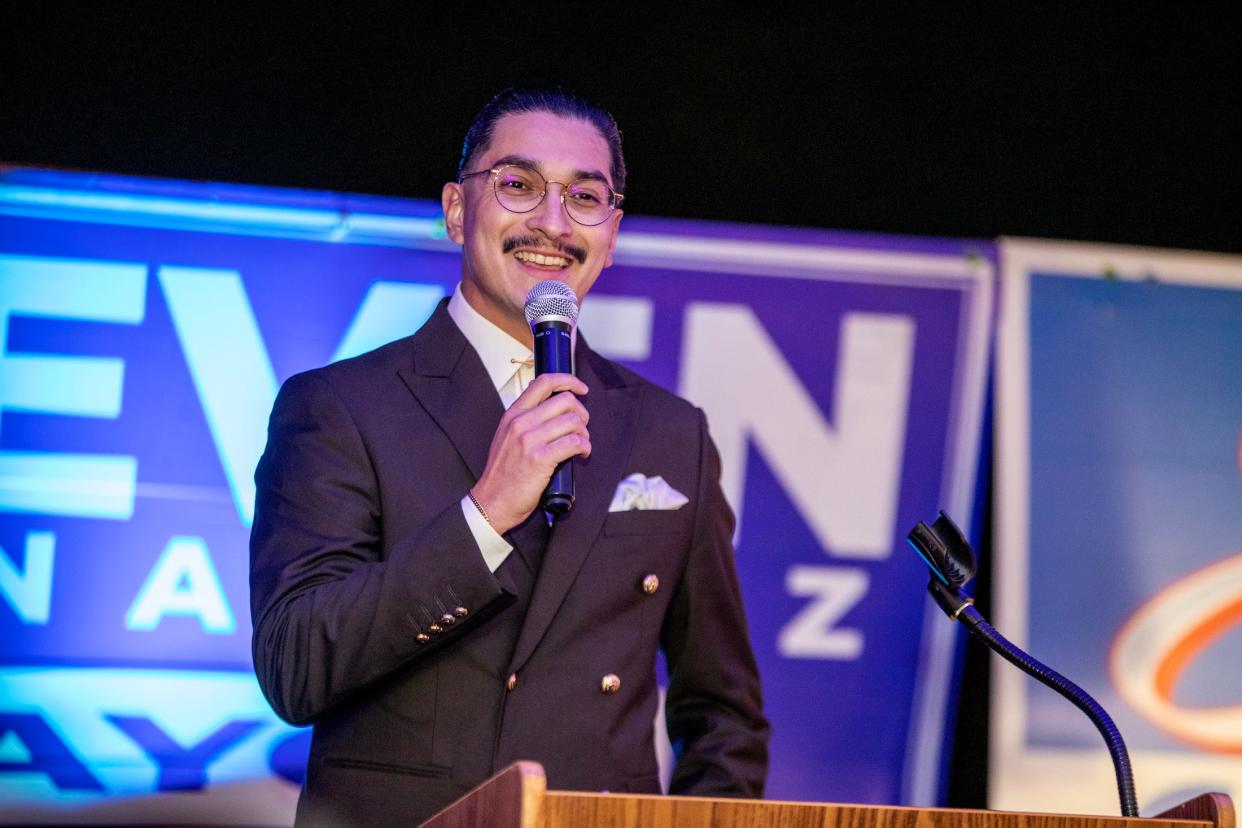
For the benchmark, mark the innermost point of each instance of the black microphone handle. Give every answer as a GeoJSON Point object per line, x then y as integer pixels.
{"type": "Point", "coordinates": [554, 355]}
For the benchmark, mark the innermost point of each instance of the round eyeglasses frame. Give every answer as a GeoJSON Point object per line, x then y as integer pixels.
{"type": "Point", "coordinates": [614, 200]}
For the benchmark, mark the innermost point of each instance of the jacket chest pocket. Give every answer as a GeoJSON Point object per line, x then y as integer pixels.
{"type": "Point", "coordinates": [645, 522]}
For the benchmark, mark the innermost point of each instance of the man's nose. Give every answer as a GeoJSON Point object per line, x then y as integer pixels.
{"type": "Point", "coordinates": [550, 216]}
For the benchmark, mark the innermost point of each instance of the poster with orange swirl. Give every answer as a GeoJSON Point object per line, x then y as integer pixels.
{"type": "Point", "coordinates": [1118, 549]}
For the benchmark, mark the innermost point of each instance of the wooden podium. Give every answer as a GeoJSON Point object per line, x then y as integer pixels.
{"type": "Point", "coordinates": [517, 797]}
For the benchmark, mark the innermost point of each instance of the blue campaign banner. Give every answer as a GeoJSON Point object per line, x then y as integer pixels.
{"type": "Point", "coordinates": [146, 326]}
{"type": "Point", "coordinates": [1119, 557]}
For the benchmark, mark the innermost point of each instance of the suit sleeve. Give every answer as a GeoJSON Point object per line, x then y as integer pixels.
{"type": "Point", "coordinates": [714, 708]}
{"type": "Point", "coordinates": [336, 605]}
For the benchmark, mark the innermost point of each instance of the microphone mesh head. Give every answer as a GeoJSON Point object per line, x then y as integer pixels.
{"type": "Point", "coordinates": [551, 298]}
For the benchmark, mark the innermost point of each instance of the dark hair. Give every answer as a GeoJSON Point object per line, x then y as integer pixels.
{"type": "Point", "coordinates": [543, 99]}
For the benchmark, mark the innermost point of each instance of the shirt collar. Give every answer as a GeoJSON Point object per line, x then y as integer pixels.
{"type": "Point", "coordinates": [496, 348]}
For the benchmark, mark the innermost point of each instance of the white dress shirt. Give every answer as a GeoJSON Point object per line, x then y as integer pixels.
{"type": "Point", "coordinates": [510, 365]}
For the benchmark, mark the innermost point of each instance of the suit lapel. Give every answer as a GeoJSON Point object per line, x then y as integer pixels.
{"type": "Point", "coordinates": [612, 407]}
{"type": "Point", "coordinates": [449, 380]}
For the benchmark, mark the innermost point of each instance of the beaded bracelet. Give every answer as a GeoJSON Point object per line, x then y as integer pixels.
{"type": "Point", "coordinates": [479, 506]}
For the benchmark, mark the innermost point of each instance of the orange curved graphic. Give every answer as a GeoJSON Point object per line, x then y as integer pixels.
{"type": "Point", "coordinates": [1165, 636]}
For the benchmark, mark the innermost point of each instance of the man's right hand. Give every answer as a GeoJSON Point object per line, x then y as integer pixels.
{"type": "Point", "coordinates": [544, 426]}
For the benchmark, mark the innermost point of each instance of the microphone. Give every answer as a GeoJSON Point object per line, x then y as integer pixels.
{"type": "Point", "coordinates": [948, 555]}
{"type": "Point", "coordinates": [552, 311]}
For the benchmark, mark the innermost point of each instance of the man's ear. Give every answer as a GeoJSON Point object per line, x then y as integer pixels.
{"type": "Point", "coordinates": [453, 203]}
{"type": "Point", "coordinates": [615, 221]}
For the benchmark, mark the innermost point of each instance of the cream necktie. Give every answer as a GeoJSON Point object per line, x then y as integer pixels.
{"type": "Point", "coordinates": [516, 384]}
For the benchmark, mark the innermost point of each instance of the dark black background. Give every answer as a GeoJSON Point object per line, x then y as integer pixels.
{"type": "Point", "coordinates": [1117, 124]}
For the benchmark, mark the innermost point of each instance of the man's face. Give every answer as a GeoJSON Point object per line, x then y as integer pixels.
{"type": "Point", "coordinates": [504, 254]}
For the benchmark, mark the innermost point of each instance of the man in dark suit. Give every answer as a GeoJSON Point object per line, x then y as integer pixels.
{"type": "Point", "coordinates": [411, 599]}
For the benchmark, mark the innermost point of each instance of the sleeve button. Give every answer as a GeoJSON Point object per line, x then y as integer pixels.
{"type": "Point", "coordinates": [610, 683]}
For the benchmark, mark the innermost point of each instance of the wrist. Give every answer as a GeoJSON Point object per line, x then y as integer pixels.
{"type": "Point", "coordinates": [479, 506]}
{"type": "Point", "coordinates": [494, 516]}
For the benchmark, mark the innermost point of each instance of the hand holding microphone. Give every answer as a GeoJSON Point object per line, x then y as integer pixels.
{"type": "Point", "coordinates": [552, 311]}
{"type": "Point", "coordinates": [529, 461]}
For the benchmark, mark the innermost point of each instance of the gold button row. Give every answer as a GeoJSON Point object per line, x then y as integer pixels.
{"type": "Point", "coordinates": [608, 685]}
{"type": "Point", "coordinates": [446, 620]}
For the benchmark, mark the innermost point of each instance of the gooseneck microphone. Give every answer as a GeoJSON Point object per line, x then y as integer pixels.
{"type": "Point", "coordinates": [552, 311]}
{"type": "Point", "coordinates": [948, 555]}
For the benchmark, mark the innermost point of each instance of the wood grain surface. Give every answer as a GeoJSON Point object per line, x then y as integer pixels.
{"type": "Point", "coordinates": [517, 798]}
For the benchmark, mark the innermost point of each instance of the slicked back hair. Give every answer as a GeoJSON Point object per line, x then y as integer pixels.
{"type": "Point", "coordinates": [555, 100]}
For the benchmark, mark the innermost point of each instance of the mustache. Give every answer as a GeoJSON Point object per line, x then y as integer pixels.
{"type": "Point", "coordinates": [571, 250]}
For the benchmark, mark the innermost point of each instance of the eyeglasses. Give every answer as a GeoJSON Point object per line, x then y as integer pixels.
{"type": "Point", "coordinates": [588, 201]}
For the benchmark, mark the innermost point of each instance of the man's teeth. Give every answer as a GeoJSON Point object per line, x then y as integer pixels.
{"type": "Point", "coordinates": [540, 259]}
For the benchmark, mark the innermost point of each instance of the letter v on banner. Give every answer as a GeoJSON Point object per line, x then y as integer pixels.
{"type": "Point", "coordinates": [229, 363]}
{"type": "Point", "coordinates": [843, 477]}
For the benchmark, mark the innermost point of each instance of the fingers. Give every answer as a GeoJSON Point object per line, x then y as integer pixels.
{"type": "Point", "coordinates": [545, 426]}
{"type": "Point", "coordinates": [558, 405]}
{"type": "Point", "coordinates": [571, 445]}
{"type": "Point", "coordinates": [548, 397]}
{"type": "Point", "coordinates": [552, 440]}
{"type": "Point", "coordinates": [544, 387]}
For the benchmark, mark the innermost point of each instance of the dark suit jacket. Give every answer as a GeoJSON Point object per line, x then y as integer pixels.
{"type": "Point", "coordinates": [360, 546]}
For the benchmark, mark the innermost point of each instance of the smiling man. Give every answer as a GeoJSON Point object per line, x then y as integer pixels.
{"type": "Point", "coordinates": [409, 597]}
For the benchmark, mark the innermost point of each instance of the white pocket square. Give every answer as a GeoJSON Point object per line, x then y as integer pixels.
{"type": "Point", "coordinates": [640, 492]}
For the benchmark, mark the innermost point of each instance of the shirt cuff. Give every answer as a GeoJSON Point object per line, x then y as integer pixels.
{"type": "Point", "coordinates": [494, 548]}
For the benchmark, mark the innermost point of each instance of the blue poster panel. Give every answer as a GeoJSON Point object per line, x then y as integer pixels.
{"type": "Point", "coordinates": [146, 327]}
{"type": "Point", "coordinates": [1119, 556]}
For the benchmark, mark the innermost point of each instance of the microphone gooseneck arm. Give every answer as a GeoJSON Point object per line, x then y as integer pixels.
{"type": "Point", "coordinates": [947, 554]}
{"type": "Point", "coordinates": [974, 621]}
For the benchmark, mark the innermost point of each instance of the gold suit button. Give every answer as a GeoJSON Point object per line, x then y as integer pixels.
{"type": "Point", "coordinates": [461, 612]}
{"type": "Point", "coordinates": [651, 583]}
{"type": "Point", "coordinates": [512, 682]}
{"type": "Point", "coordinates": [422, 638]}
{"type": "Point", "coordinates": [610, 683]}
{"type": "Point", "coordinates": [435, 629]}
{"type": "Point", "coordinates": [448, 619]}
